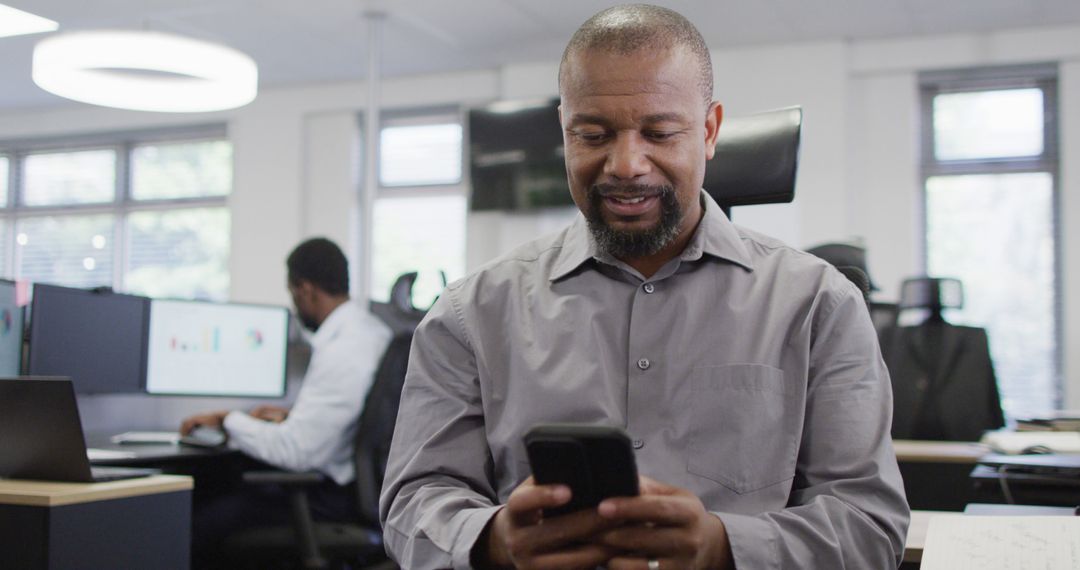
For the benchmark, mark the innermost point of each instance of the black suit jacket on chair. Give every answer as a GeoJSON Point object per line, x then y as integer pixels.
{"type": "Point", "coordinates": [943, 381]}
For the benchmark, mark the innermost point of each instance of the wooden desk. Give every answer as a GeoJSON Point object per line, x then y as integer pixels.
{"type": "Point", "coordinates": [162, 455]}
{"type": "Point", "coordinates": [131, 524]}
{"type": "Point", "coordinates": [963, 452]}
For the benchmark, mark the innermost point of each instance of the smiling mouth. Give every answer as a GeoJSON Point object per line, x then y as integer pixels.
{"type": "Point", "coordinates": [630, 206]}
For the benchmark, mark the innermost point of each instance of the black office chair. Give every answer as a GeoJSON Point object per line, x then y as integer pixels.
{"type": "Point", "coordinates": [885, 318]}
{"type": "Point", "coordinates": [358, 544]}
{"type": "Point", "coordinates": [757, 157]}
{"type": "Point", "coordinates": [944, 387]}
{"type": "Point", "coordinates": [850, 259]}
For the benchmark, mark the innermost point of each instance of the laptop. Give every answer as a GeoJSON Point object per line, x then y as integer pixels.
{"type": "Point", "coordinates": [41, 436]}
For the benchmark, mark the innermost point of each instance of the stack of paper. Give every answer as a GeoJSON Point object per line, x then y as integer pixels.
{"type": "Point", "coordinates": [1016, 442]}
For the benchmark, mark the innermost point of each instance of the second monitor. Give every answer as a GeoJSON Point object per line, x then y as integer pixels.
{"type": "Point", "coordinates": [212, 349]}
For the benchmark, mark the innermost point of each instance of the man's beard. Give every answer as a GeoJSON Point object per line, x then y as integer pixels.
{"type": "Point", "coordinates": [308, 321]}
{"type": "Point", "coordinates": [630, 244]}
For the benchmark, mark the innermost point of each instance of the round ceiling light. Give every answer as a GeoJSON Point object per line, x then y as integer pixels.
{"type": "Point", "coordinates": [144, 71]}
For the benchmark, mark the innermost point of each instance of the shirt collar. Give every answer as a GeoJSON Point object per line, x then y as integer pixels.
{"type": "Point", "coordinates": [334, 322]}
{"type": "Point", "coordinates": [715, 236]}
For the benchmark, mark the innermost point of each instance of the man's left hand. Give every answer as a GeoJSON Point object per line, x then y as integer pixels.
{"type": "Point", "coordinates": [666, 524]}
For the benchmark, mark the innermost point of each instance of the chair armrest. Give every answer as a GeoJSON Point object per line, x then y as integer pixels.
{"type": "Point", "coordinates": [290, 478]}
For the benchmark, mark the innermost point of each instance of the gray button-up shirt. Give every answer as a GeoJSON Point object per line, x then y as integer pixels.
{"type": "Point", "coordinates": [745, 371]}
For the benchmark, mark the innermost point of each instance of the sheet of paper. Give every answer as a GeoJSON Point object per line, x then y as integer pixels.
{"type": "Point", "coordinates": [94, 454]}
{"type": "Point", "coordinates": [1002, 543]}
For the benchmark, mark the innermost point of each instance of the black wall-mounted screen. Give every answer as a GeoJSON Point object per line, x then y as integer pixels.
{"type": "Point", "coordinates": [96, 338]}
{"type": "Point", "coordinates": [516, 157]}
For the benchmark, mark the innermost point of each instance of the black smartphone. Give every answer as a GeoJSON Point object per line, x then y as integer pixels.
{"type": "Point", "coordinates": [596, 462]}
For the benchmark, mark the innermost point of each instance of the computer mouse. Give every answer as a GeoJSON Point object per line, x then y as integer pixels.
{"type": "Point", "coordinates": [204, 437]}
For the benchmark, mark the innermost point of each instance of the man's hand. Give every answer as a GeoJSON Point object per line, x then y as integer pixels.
{"type": "Point", "coordinates": [519, 537]}
{"type": "Point", "coordinates": [211, 420]}
{"type": "Point", "coordinates": [268, 413]}
{"type": "Point", "coordinates": [666, 524]}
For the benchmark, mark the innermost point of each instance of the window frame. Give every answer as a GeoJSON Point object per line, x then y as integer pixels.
{"type": "Point", "coordinates": [122, 204]}
{"type": "Point", "coordinates": [416, 116]}
{"type": "Point", "coordinates": [1043, 76]}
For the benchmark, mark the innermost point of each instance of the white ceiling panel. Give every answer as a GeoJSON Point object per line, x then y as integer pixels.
{"type": "Point", "coordinates": [325, 40]}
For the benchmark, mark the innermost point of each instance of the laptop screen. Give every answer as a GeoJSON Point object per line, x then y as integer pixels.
{"type": "Point", "coordinates": [40, 433]}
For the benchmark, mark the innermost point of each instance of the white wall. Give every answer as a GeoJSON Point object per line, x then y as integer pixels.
{"type": "Point", "coordinates": [1069, 191]}
{"type": "Point", "coordinates": [296, 170]}
{"type": "Point", "coordinates": [884, 151]}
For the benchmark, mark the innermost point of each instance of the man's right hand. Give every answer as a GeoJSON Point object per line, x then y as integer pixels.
{"type": "Point", "coordinates": [519, 537]}
{"type": "Point", "coordinates": [211, 420]}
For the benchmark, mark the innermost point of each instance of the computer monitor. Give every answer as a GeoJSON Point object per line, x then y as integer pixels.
{"type": "Point", "coordinates": [11, 330]}
{"type": "Point", "coordinates": [98, 338]}
{"type": "Point", "coordinates": [200, 348]}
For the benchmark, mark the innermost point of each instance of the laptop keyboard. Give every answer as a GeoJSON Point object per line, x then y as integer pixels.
{"type": "Point", "coordinates": [103, 474]}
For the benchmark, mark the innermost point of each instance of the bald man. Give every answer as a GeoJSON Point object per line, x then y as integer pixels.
{"type": "Point", "coordinates": [746, 372]}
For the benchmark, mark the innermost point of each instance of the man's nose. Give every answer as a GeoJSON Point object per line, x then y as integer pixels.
{"type": "Point", "coordinates": [627, 158]}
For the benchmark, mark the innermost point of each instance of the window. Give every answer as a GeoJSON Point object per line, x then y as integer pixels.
{"type": "Point", "coordinates": [143, 214]}
{"type": "Point", "coordinates": [420, 155]}
{"type": "Point", "coordinates": [3, 181]}
{"type": "Point", "coordinates": [4, 239]}
{"type": "Point", "coordinates": [420, 206]}
{"type": "Point", "coordinates": [69, 178]}
{"type": "Point", "coordinates": [990, 173]}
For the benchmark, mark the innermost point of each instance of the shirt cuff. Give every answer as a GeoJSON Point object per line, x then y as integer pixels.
{"type": "Point", "coordinates": [473, 524]}
{"type": "Point", "coordinates": [753, 541]}
{"type": "Point", "coordinates": [236, 425]}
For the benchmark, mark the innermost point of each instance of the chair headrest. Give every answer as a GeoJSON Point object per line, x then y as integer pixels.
{"type": "Point", "coordinates": [859, 278]}
{"type": "Point", "coordinates": [933, 293]}
{"type": "Point", "coordinates": [756, 159]}
{"type": "Point", "coordinates": [844, 254]}
{"type": "Point", "coordinates": [401, 292]}
{"type": "Point", "coordinates": [399, 313]}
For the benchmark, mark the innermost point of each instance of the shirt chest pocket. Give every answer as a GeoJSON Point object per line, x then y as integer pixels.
{"type": "Point", "coordinates": [744, 426]}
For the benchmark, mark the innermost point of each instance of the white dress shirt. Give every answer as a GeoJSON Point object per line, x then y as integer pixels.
{"type": "Point", "coordinates": [320, 430]}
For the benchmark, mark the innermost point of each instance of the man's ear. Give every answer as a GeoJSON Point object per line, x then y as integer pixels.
{"type": "Point", "coordinates": [713, 117]}
{"type": "Point", "coordinates": [305, 289]}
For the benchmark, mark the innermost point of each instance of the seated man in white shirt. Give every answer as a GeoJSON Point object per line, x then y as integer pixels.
{"type": "Point", "coordinates": [318, 432]}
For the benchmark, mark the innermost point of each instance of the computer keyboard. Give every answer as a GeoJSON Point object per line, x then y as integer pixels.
{"type": "Point", "coordinates": [147, 437]}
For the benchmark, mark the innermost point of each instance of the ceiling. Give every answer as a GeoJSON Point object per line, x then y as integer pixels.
{"type": "Point", "coordinates": [315, 41]}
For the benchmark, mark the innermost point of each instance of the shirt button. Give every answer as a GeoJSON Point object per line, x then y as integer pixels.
{"type": "Point", "coordinates": [638, 444]}
{"type": "Point", "coordinates": [644, 364]}
{"type": "Point", "coordinates": [649, 288]}
{"type": "Point", "coordinates": [921, 384]}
